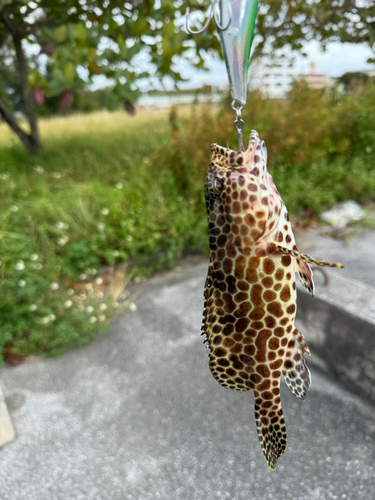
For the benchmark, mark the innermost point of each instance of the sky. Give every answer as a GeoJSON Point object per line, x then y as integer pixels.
{"type": "Point", "coordinates": [339, 58]}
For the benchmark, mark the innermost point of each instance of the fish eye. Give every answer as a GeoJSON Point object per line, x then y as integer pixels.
{"type": "Point", "coordinates": [218, 186]}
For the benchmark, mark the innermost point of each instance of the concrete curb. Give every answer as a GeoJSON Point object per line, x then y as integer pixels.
{"type": "Point", "coordinates": [339, 326]}
{"type": "Point", "coordinates": [7, 434]}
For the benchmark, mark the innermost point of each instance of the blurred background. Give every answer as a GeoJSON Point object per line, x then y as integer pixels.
{"type": "Point", "coordinates": [108, 110]}
{"type": "Point", "coordinates": [107, 113]}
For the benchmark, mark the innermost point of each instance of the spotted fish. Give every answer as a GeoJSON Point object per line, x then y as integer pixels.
{"type": "Point", "coordinates": [250, 291]}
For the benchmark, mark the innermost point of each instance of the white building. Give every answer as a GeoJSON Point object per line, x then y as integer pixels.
{"type": "Point", "coordinates": [274, 78]}
{"type": "Point", "coordinates": [316, 80]}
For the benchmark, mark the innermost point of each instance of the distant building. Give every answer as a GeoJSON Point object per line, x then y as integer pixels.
{"type": "Point", "coordinates": [316, 80]}
{"type": "Point", "coordinates": [274, 78]}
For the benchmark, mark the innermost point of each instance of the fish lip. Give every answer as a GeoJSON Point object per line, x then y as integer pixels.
{"type": "Point", "coordinates": [257, 147]}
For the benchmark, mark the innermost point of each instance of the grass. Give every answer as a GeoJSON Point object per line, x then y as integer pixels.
{"type": "Point", "coordinates": [114, 189]}
{"type": "Point", "coordinates": [96, 197]}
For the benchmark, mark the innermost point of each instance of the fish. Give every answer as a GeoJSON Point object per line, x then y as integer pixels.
{"type": "Point", "coordinates": [250, 291]}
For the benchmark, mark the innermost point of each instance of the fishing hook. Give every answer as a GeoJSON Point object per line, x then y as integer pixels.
{"type": "Point", "coordinates": [213, 12]}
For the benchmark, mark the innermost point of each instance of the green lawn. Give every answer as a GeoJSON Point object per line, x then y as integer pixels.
{"type": "Point", "coordinates": [99, 196]}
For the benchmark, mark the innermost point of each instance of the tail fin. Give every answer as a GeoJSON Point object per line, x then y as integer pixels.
{"type": "Point", "coordinates": [270, 427]}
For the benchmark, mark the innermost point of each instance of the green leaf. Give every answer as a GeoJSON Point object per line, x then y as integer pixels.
{"type": "Point", "coordinates": [121, 43]}
{"type": "Point", "coordinates": [69, 72]}
{"type": "Point", "coordinates": [60, 33]}
{"type": "Point", "coordinates": [80, 32]}
{"type": "Point", "coordinates": [91, 55]}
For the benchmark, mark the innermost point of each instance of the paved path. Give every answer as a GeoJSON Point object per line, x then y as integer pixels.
{"type": "Point", "coordinates": [137, 415]}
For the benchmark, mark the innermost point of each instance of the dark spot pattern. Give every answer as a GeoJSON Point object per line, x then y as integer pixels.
{"type": "Point", "coordinates": [250, 293]}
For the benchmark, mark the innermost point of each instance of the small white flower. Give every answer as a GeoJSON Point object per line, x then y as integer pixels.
{"type": "Point", "coordinates": [82, 276]}
{"type": "Point", "coordinates": [45, 320]}
{"type": "Point", "coordinates": [129, 237]}
{"type": "Point", "coordinates": [180, 198]}
{"type": "Point", "coordinates": [89, 309]}
{"type": "Point", "coordinates": [146, 160]}
{"type": "Point", "coordinates": [368, 149]}
{"type": "Point", "coordinates": [14, 208]}
{"type": "Point", "coordinates": [0, 262]}
{"type": "Point", "coordinates": [56, 175]}
{"type": "Point", "coordinates": [33, 307]}
{"type": "Point", "coordinates": [20, 266]}
{"type": "Point", "coordinates": [115, 305]}
{"type": "Point", "coordinates": [99, 281]}
{"type": "Point", "coordinates": [105, 211]}
{"type": "Point", "coordinates": [100, 295]}
{"type": "Point", "coordinates": [54, 286]}
{"type": "Point", "coordinates": [52, 317]}
{"type": "Point", "coordinates": [101, 317]}
{"type": "Point", "coordinates": [88, 286]}
{"type": "Point", "coordinates": [82, 296]}
{"type": "Point", "coordinates": [100, 226]}
{"type": "Point", "coordinates": [60, 225]}
{"type": "Point", "coordinates": [38, 266]}
{"type": "Point", "coordinates": [22, 283]}
{"type": "Point", "coordinates": [115, 253]}
{"type": "Point", "coordinates": [93, 319]}
{"type": "Point", "coordinates": [68, 303]}
{"type": "Point", "coordinates": [34, 256]}
{"type": "Point", "coordinates": [4, 177]}
{"type": "Point", "coordinates": [39, 169]}
{"type": "Point", "coordinates": [119, 185]}
{"type": "Point", "coordinates": [70, 291]}
{"type": "Point", "coordinates": [103, 306]}
{"type": "Point", "coordinates": [132, 307]}
{"type": "Point", "coordinates": [62, 241]}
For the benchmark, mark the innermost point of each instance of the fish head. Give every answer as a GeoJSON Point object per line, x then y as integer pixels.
{"type": "Point", "coordinates": [239, 193]}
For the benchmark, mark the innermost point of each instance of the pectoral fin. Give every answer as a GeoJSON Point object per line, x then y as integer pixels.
{"type": "Point", "coordinates": [303, 268]}
{"type": "Point", "coordinates": [306, 276]}
{"type": "Point", "coordinates": [307, 258]}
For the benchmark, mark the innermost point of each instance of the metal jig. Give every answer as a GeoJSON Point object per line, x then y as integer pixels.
{"type": "Point", "coordinates": [235, 22]}
{"type": "Point", "coordinates": [213, 12]}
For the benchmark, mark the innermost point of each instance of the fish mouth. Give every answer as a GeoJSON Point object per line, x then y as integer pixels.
{"type": "Point", "coordinates": [256, 146]}
{"type": "Point", "coordinates": [256, 153]}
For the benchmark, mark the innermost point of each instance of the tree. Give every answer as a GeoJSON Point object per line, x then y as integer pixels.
{"type": "Point", "coordinates": [353, 78]}
{"type": "Point", "coordinates": [74, 40]}
{"type": "Point", "coordinates": [294, 22]}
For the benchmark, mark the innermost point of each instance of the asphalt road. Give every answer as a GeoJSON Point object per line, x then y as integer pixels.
{"type": "Point", "coordinates": [137, 415]}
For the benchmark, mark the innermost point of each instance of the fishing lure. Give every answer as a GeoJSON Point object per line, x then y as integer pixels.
{"type": "Point", "coordinates": [250, 291]}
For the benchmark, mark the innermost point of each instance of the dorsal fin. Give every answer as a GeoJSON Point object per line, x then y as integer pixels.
{"type": "Point", "coordinates": [296, 374]}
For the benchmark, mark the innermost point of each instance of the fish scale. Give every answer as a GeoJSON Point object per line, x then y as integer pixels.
{"type": "Point", "coordinates": [250, 291]}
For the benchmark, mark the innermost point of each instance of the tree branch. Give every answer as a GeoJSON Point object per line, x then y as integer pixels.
{"type": "Point", "coordinates": [7, 116]}
{"type": "Point", "coordinates": [32, 141]}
